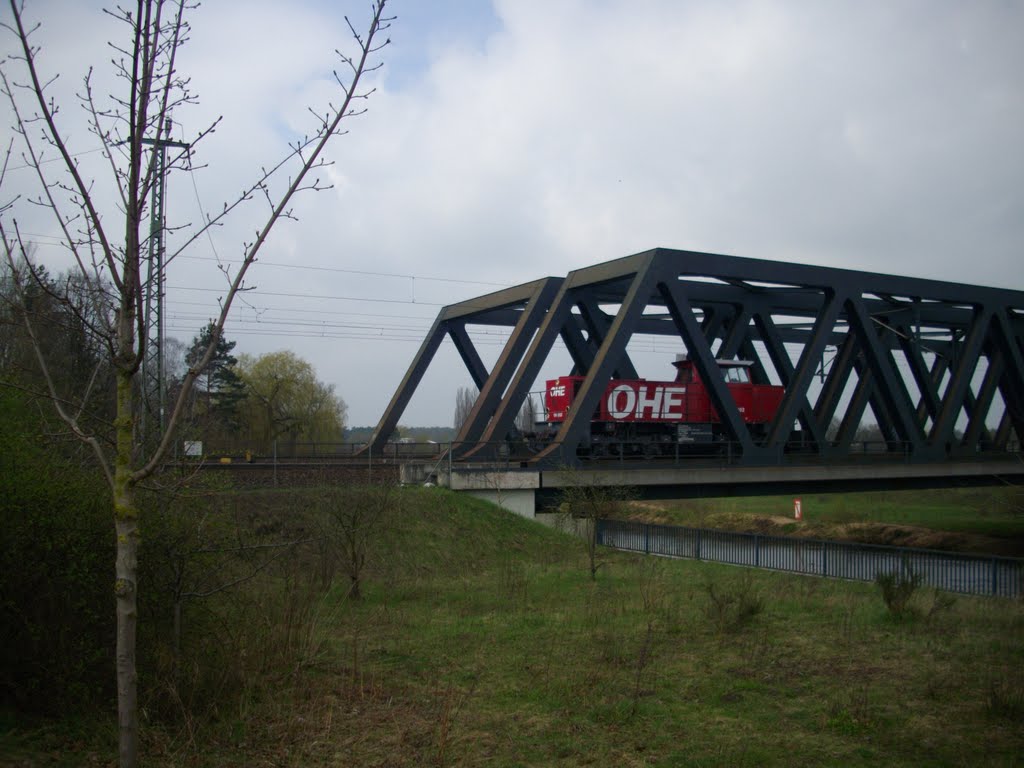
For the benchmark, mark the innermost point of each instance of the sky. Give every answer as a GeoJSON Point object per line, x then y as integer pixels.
{"type": "Point", "coordinates": [510, 140]}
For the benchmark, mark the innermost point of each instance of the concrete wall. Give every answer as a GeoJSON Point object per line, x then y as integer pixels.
{"type": "Point", "coordinates": [518, 501]}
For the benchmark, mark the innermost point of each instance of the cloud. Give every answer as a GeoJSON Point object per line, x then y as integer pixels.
{"type": "Point", "coordinates": [535, 137]}
{"type": "Point", "coordinates": [736, 126]}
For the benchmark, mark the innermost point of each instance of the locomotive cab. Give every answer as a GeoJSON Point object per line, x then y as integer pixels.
{"type": "Point", "coordinates": [733, 371]}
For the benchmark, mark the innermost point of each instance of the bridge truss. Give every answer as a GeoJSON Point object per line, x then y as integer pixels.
{"type": "Point", "coordinates": [940, 366]}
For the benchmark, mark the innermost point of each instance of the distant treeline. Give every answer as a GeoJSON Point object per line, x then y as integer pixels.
{"type": "Point", "coordinates": [418, 434]}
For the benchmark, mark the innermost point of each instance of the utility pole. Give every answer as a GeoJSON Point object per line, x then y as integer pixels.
{"type": "Point", "coordinates": [154, 384]}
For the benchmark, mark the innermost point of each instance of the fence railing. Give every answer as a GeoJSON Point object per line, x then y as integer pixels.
{"type": "Point", "coordinates": [606, 453]}
{"type": "Point", "coordinates": [950, 571]}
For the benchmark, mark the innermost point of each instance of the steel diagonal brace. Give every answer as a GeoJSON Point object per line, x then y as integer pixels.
{"type": "Point", "coordinates": [576, 426]}
{"type": "Point", "coordinates": [959, 386]}
{"type": "Point", "coordinates": [597, 324]}
{"type": "Point", "coordinates": [399, 401]}
{"type": "Point", "coordinates": [700, 352]}
{"type": "Point", "coordinates": [502, 417]}
{"type": "Point", "coordinates": [711, 325]}
{"type": "Point", "coordinates": [854, 412]}
{"type": "Point", "coordinates": [464, 346]}
{"type": "Point", "coordinates": [738, 333]}
{"type": "Point", "coordinates": [494, 412]}
{"type": "Point", "coordinates": [890, 384]}
{"type": "Point", "coordinates": [798, 381]}
{"type": "Point", "coordinates": [579, 347]}
{"type": "Point", "coordinates": [741, 335]}
{"type": "Point", "coordinates": [976, 428]}
{"type": "Point", "coordinates": [982, 401]}
{"type": "Point", "coordinates": [864, 393]}
{"type": "Point", "coordinates": [1012, 383]}
{"type": "Point", "coordinates": [558, 320]}
{"type": "Point", "coordinates": [927, 384]}
{"type": "Point", "coordinates": [781, 428]}
{"type": "Point", "coordinates": [936, 374]}
{"type": "Point", "coordinates": [835, 383]}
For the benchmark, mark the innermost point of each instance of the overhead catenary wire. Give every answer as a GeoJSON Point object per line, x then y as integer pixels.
{"type": "Point", "coordinates": [363, 272]}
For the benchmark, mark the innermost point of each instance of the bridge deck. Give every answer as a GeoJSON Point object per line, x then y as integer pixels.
{"type": "Point", "coordinates": [652, 480]}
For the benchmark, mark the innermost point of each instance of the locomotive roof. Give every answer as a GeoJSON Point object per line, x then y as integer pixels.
{"type": "Point", "coordinates": [722, 363]}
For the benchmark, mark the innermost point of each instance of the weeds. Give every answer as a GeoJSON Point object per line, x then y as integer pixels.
{"type": "Point", "coordinates": [730, 609]}
{"type": "Point", "coordinates": [1006, 699]}
{"type": "Point", "coordinates": [846, 614]}
{"type": "Point", "coordinates": [851, 713]}
{"type": "Point", "coordinates": [941, 602]}
{"type": "Point", "coordinates": [512, 582]}
{"type": "Point", "coordinates": [451, 704]}
{"type": "Point", "coordinates": [642, 662]}
{"type": "Point", "coordinates": [440, 664]}
{"type": "Point", "coordinates": [897, 588]}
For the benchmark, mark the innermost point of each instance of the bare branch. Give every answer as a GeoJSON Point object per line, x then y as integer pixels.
{"type": "Point", "coordinates": [57, 139]}
{"type": "Point", "coordinates": [252, 251]}
{"type": "Point", "coordinates": [35, 162]}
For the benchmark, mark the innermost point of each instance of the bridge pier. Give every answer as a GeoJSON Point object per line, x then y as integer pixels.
{"type": "Point", "coordinates": [519, 501]}
{"type": "Point", "coordinates": [515, 491]}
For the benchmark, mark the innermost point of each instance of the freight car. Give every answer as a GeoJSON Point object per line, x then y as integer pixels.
{"type": "Point", "coordinates": [637, 416]}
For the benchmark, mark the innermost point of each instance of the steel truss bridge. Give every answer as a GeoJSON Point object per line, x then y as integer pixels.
{"type": "Point", "coordinates": [937, 366]}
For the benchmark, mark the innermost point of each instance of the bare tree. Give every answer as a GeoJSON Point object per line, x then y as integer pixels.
{"type": "Point", "coordinates": [526, 419]}
{"type": "Point", "coordinates": [585, 501]}
{"type": "Point", "coordinates": [109, 239]}
{"type": "Point", "coordinates": [352, 517]}
{"type": "Point", "coordinates": [465, 397]}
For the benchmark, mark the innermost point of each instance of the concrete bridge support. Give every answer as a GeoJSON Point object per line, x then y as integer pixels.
{"type": "Point", "coordinates": [515, 491]}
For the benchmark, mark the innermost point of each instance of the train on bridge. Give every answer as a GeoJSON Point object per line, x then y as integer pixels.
{"type": "Point", "coordinates": [653, 418]}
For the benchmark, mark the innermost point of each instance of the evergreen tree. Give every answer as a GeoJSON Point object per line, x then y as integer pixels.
{"type": "Point", "coordinates": [218, 389]}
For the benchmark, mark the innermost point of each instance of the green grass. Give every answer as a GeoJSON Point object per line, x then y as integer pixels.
{"type": "Point", "coordinates": [990, 512]}
{"type": "Point", "coordinates": [482, 641]}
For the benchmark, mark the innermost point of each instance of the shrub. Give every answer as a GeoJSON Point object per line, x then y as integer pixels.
{"type": "Point", "coordinates": [897, 588]}
{"type": "Point", "coordinates": [1006, 699]}
{"type": "Point", "coordinates": [56, 601]}
{"type": "Point", "coordinates": [732, 608]}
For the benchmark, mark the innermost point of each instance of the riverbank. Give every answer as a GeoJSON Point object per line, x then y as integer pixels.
{"type": "Point", "coordinates": [989, 521]}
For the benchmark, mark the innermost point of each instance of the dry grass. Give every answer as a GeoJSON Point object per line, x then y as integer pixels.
{"type": "Point", "coordinates": [482, 641]}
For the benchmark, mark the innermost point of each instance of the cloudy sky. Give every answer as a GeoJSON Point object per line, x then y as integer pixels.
{"type": "Point", "coordinates": [512, 139]}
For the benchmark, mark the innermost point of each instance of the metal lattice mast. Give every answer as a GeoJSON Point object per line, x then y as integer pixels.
{"type": "Point", "coordinates": [153, 378]}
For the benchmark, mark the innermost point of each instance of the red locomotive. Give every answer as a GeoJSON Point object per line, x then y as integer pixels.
{"type": "Point", "coordinates": [651, 417]}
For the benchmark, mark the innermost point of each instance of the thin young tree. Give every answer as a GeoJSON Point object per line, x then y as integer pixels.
{"type": "Point", "coordinates": [585, 502]}
{"type": "Point", "coordinates": [109, 237]}
{"type": "Point", "coordinates": [352, 518]}
{"type": "Point", "coordinates": [526, 420]}
{"type": "Point", "coordinates": [465, 397]}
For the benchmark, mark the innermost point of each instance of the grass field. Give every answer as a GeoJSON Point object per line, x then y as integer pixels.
{"type": "Point", "coordinates": [979, 519]}
{"type": "Point", "coordinates": [481, 641]}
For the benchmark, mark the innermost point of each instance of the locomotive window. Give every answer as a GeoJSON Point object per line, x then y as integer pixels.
{"type": "Point", "coordinates": [735, 374]}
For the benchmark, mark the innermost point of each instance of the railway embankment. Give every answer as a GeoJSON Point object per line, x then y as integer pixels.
{"type": "Point", "coordinates": [896, 534]}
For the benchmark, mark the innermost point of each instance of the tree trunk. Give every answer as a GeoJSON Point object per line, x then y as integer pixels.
{"type": "Point", "coordinates": [355, 592]}
{"type": "Point", "coordinates": [126, 521]}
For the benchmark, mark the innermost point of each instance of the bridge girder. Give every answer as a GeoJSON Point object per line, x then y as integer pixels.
{"type": "Point", "coordinates": [924, 355]}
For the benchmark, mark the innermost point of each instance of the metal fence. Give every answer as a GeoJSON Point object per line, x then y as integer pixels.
{"type": "Point", "coordinates": [950, 571]}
